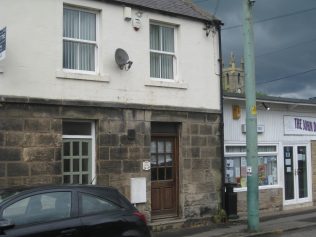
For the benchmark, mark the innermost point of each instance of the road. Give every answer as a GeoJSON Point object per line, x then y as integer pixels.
{"type": "Point", "coordinates": [309, 232]}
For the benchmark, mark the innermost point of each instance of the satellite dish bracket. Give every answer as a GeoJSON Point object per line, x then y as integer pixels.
{"type": "Point", "coordinates": [122, 59]}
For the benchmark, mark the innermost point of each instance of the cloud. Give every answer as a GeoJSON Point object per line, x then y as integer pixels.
{"type": "Point", "coordinates": [284, 45]}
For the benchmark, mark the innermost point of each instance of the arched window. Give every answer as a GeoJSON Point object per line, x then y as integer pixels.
{"type": "Point", "coordinates": [238, 79]}
{"type": "Point", "coordinates": [227, 78]}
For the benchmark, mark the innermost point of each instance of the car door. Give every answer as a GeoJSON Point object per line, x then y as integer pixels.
{"type": "Point", "coordinates": [100, 216]}
{"type": "Point", "coordinates": [49, 214]}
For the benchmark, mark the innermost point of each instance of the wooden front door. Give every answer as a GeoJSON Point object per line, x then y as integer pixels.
{"type": "Point", "coordinates": [164, 173]}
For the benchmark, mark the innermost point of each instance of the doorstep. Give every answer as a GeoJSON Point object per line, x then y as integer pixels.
{"type": "Point", "coordinates": [160, 225]}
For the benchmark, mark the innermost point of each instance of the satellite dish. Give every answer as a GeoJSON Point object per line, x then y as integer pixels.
{"type": "Point", "coordinates": [122, 59]}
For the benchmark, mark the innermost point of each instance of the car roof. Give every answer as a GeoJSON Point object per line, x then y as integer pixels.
{"type": "Point", "coordinates": [113, 194]}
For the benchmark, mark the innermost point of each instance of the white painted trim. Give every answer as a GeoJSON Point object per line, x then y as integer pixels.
{"type": "Point", "coordinates": [96, 42]}
{"type": "Point", "coordinates": [174, 54]}
{"type": "Point", "coordinates": [166, 83]}
{"type": "Point", "coordinates": [244, 154]}
{"type": "Point", "coordinates": [79, 75]}
{"type": "Point", "coordinates": [93, 146]}
{"type": "Point", "coordinates": [309, 197]}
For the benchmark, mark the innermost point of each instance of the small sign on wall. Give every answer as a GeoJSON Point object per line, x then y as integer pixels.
{"type": "Point", "coordinates": [138, 190]}
{"type": "Point", "coordinates": [236, 112]}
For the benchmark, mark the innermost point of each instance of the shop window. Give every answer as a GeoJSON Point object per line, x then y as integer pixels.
{"type": "Point", "coordinates": [236, 166]}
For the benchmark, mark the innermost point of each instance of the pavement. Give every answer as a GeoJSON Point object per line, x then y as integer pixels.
{"type": "Point", "coordinates": [276, 223]}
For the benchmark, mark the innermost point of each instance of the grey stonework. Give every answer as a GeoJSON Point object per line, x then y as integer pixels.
{"type": "Point", "coordinates": [31, 144]}
{"type": "Point", "coordinates": [270, 200]}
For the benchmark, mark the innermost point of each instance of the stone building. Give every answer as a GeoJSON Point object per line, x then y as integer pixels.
{"type": "Point", "coordinates": [70, 114]}
{"type": "Point", "coordinates": [233, 77]}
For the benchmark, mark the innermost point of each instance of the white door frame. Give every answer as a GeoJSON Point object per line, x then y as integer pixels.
{"type": "Point", "coordinates": [296, 199]}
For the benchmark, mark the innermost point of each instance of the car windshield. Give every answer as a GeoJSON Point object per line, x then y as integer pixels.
{"type": "Point", "coordinates": [4, 194]}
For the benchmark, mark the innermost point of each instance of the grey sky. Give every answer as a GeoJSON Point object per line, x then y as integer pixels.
{"type": "Point", "coordinates": [285, 42]}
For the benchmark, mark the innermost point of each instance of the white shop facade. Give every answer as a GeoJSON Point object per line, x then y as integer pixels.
{"type": "Point", "coordinates": [286, 150]}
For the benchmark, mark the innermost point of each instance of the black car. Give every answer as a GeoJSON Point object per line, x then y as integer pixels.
{"type": "Point", "coordinates": [67, 210]}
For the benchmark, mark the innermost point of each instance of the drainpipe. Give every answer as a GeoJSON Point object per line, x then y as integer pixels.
{"type": "Point", "coordinates": [220, 61]}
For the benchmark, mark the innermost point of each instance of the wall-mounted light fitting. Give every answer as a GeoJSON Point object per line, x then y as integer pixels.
{"type": "Point", "coordinates": [265, 106]}
{"type": "Point", "coordinates": [207, 28]}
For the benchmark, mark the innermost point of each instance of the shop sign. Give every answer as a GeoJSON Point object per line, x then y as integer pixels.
{"type": "Point", "coordinates": [295, 125]}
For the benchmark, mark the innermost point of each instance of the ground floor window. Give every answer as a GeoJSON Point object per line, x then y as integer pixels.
{"type": "Point", "coordinates": [236, 165]}
{"type": "Point", "coordinates": [77, 153]}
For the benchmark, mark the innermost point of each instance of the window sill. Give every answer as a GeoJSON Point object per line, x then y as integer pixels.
{"type": "Point", "coordinates": [81, 76]}
{"type": "Point", "coordinates": [244, 189]}
{"type": "Point", "coordinates": [166, 84]}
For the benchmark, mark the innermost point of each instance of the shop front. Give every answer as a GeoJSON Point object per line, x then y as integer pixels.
{"type": "Point", "coordinates": [286, 132]}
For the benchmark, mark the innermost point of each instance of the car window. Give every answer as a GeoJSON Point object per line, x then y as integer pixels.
{"type": "Point", "coordinates": [4, 194]}
{"type": "Point", "coordinates": [43, 207]}
{"type": "Point", "coordinates": [91, 205]}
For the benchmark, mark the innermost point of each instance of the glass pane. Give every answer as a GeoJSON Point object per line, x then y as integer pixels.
{"type": "Point", "coordinates": [75, 165]}
{"type": "Point", "coordinates": [155, 65]}
{"type": "Point", "coordinates": [66, 179]}
{"type": "Point", "coordinates": [85, 165]}
{"type": "Point", "coordinates": [168, 147]}
{"type": "Point", "coordinates": [87, 57]}
{"type": "Point", "coordinates": [71, 23]}
{"type": "Point", "coordinates": [161, 147]}
{"type": "Point", "coordinates": [267, 170]}
{"type": "Point", "coordinates": [161, 160]}
{"type": "Point", "coordinates": [70, 55]}
{"type": "Point", "coordinates": [153, 147]}
{"type": "Point", "coordinates": [75, 149]}
{"type": "Point", "coordinates": [161, 173]}
{"type": "Point", "coordinates": [167, 39]}
{"type": "Point", "coordinates": [288, 173]}
{"type": "Point", "coordinates": [85, 179]}
{"type": "Point", "coordinates": [75, 179]}
{"type": "Point", "coordinates": [153, 161]}
{"type": "Point", "coordinates": [167, 66]}
{"type": "Point", "coordinates": [85, 150]}
{"type": "Point", "coordinates": [76, 128]}
{"type": "Point", "coordinates": [15, 210]}
{"type": "Point", "coordinates": [66, 147]}
{"type": "Point", "coordinates": [154, 174]}
{"type": "Point", "coordinates": [87, 26]}
{"type": "Point", "coordinates": [169, 173]}
{"type": "Point", "coordinates": [61, 203]}
{"type": "Point", "coordinates": [302, 171]}
{"type": "Point", "coordinates": [168, 160]}
{"type": "Point", "coordinates": [66, 165]}
{"type": "Point", "coordinates": [154, 37]}
{"type": "Point", "coordinates": [90, 204]}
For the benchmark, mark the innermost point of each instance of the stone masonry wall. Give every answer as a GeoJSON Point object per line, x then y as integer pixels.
{"type": "Point", "coordinates": [270, 200]}
{"type": "Point", "coordinates": [199, 163]}
{"type": "Point", "coordinates": [31, 143]}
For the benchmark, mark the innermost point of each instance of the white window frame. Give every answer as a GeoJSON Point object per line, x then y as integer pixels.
{"type": "Point", "coordinates": [93, 144]}
{"type": "Point", "coordinates": [244, 154]}
{"type": "Point", "coordinates": [174, 54]}
{"type": "Point", "coordinates": [96, 42]}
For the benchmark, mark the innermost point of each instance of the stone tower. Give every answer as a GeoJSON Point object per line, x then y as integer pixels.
{"type": "Point", "coordinates": [233, 78]}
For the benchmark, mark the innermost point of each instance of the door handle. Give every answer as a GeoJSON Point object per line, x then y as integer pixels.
{"type": "Point", "coordinates": [68, 232]}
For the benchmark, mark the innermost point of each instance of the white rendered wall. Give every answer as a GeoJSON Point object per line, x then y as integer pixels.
{"type": "Point", "coordinates": [272, 121]}
{"type": "Point", "coordinates": [33, 66]}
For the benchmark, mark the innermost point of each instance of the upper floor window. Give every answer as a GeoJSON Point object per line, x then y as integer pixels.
{"type": "Point", "coordinates": [79, 40]}
{"type": "Point", "coordinates": [162, 51]}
